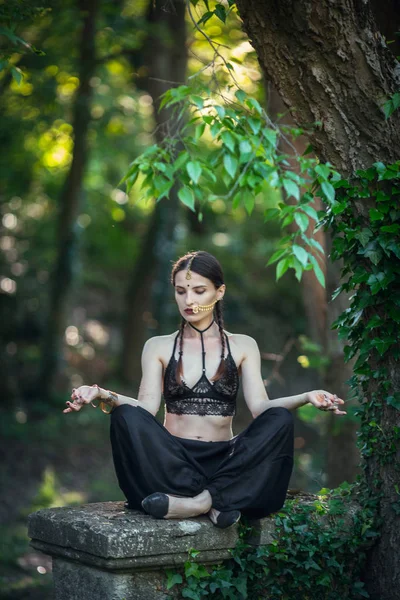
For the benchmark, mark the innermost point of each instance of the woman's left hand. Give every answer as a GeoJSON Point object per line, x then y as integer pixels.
{"type": "Point", "coordinates": [326, 401]}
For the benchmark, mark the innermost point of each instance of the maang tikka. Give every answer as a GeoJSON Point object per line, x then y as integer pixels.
{"type": "Point", "coordinates": [188, 272]}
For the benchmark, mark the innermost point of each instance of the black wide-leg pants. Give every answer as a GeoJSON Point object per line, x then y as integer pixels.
{"type": "Point", "coordinates": [250, 472]}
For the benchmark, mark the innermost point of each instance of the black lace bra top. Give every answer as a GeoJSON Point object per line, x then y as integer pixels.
{"type": "Point", "coordinates": [205, 397]}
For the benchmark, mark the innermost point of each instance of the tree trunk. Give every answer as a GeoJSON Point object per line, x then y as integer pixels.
{"type": "Point", "coordinates": [330, 63]}
{"type": "Point", "coordinates": [70, 203]}
{"type": "Point", "coordinates": [164, 60]}
{"type": "Point", "coordinates": [342, 455]}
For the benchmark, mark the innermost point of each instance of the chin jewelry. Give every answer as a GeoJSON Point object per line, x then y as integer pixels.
{"type": "Point", "coordinates": [204, 307]}
{"type": "Point", "coordinates": [188, 272]}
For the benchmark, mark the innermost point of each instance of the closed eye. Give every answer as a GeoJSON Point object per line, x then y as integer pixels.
{"type": "Point", "coordinates": [180, 293]}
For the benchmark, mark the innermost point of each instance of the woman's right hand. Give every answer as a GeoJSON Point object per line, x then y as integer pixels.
{"type": "Point", "coordinates": [80, 396]}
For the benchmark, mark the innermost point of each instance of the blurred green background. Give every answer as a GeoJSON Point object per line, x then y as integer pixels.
{"type": "Point", "coordinates": [85, 267]}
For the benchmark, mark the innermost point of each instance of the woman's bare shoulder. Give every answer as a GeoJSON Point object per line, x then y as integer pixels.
{"type": "Point", "coordinates": [240, 344]}
{"type": "Point", "coordinates": [241, 339]}
{"type": "Point", "coordinates": [159, 344]}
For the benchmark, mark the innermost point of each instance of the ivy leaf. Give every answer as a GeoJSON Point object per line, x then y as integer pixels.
{"type": "Point", "coordinates": [185, 195]}
{"type": "Point", "coordinates": [300, 254]}
{"type": "Point", "coordinates": [194, 170]}
{"type": "Point", "coordinates": [393, 401]}
{"type": "Point", "coordinates": [364, 236]}
{"type": "Point", "coordinates": [375, 215]}
{"type": "Point", "coordinates": [173, 579]}
{"type": "Point", "coordinates": [230, 164]}
{"type": "Point", "coordinates": [381, 345]}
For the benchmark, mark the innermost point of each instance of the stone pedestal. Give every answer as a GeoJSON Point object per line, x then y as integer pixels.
{"type": "Point", "coordinates": [103, 551]}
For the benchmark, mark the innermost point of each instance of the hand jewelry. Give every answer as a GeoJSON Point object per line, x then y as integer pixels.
{"type": "Point", "coordinates": [111, 401]}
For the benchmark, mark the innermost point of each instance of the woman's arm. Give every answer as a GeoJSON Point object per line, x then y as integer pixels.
{"type": "Point", "coordinates": [256, 396]}
{"type": "Point", "coordinates": [150, 388]}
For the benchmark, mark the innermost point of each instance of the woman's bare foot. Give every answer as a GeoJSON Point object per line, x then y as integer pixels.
{"type": "Point", "coordinates": [180, 507]}
{"type": "Point", "coordinates": [213, 515]}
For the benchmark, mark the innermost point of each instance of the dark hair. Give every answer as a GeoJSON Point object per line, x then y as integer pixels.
{"type": "Point", "coordinates": [206, 265]}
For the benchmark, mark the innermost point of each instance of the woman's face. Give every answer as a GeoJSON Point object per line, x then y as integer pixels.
{"type": "Point", "coordinates": [195, 291]}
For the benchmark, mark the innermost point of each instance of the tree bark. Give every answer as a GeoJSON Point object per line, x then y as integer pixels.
{"type": "Point", "coordinates": [329, 63]}
{"type": "Point", "coordinates": [70, 204]}
{"type": "Point", "coordinates": [163, 60]}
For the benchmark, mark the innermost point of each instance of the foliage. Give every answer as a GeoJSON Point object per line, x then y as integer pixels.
{"type": "Point", "coordinates": [243, 162]}
{"type": "Point", "coordinates": [368, 242]}
{"type": "Point", "coordinates": [316, 554]}
{"type": "Point", "coordinates": [12, 14]}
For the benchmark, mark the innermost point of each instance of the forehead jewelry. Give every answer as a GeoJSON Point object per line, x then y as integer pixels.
{"type": "Point", "coordinates": [188, 272]}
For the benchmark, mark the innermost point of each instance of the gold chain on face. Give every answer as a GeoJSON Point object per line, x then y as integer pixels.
{"type": "Point", "coordinates": [204, 307]}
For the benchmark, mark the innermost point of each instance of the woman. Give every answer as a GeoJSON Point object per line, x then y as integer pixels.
{"type": "Point", "coordinates": [193, 464]}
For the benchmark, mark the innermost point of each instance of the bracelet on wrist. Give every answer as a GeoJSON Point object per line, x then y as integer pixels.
{"type": "Point", "coordinates": [110, 400]}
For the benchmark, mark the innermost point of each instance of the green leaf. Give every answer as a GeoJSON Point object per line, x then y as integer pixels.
{"type": "Point", "coordinates": [271, 214]}
{"type": "Point", "coordinates": [276, 256]}
{"type": "Point", "coordinates": [240, 95]}
{"type": "Point", "coordinates": [301, 220]}
{"type": "Point", "coordinates": [245, 147]}
{"type": "Point", "coordinates": [381, 345]}
{"type": "Point", "coordinates": [328, 190]}
{"type": "Point", "coordinates": [282, 267]}
{"type": "Point", "coordinates": [248, 201]}
{"type": "Point", "coordinates": [291, 188]}
{"type": "Point", "coordinates": [364, 236]}
{"type": "Point", "coordinates": [198, 101]}
{"type": "Point", "coordinates": [310, 211]}
{"type": "Point", "coordinates": [194, 170]}
{"type": "Point", "coordinates": [255, 124]}
{"type": "Point", "coordinates": [199, 131]}
{"type": "Point", "coordinates": [375, 215]}
{"type": "Point", "coordinates": [228, 140]}
{"type": "Point", "coordinates": [185, 195]}
{"type": "Point", "coordinates": [300, 254]}
{"type": "Point", "coordinates": [207, 15]}
{"type": "Point", "coordinates": [220, 111]}
{"type": "Point", "coordinates": [180, 161]}
{"type": "Point", "coordinates": [323, 171]}
{"type": "Point", "coordinates": [173, 579]}
{"type": "Point", "coordinates": [317, 270]}
{"type": "Point", "coordinates": [17, 74]}
{"type": "Point", "coordinates": [220, 12]}
{"type": "Point", "coordinates": [230, 164]}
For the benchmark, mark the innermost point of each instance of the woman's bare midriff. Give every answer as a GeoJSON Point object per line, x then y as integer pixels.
{"type": "Point", "coordinates": [206, 429]}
